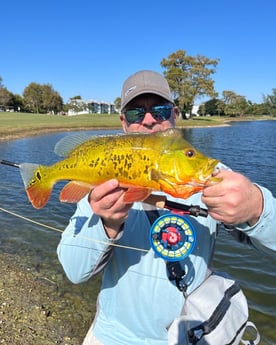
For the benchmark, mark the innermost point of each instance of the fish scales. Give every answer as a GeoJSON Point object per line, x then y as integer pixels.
{"type": "Point", "coordinates": [142, 163]}
{"type": "Point", "coordinates": [110, 158]}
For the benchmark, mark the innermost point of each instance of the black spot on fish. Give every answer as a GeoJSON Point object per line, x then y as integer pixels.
{"type": "Point", "coordinates": [38, 176]}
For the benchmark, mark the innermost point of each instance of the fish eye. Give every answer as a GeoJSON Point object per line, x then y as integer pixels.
{"type": "Point", "coordinates": [190, 153]}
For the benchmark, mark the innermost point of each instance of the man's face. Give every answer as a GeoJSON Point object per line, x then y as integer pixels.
{"type": "Point", "coordinates": [148, 103]}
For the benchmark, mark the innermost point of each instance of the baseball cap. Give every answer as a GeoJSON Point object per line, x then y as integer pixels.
{"type": "Point", "coordinates": [145, 82]}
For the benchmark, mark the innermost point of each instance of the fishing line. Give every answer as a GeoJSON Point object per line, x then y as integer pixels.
{"type": "Point", "coordinates": [82, 237]}
{"type": "Point", "coordinates": [16, 165]}
{"type": "Point", "coordinates": [61, 231]}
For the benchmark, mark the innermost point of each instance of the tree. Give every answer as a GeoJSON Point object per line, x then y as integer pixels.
{"type": "Point", "coordinates": [42, 99]}
{"type": "Point", "coordinates": [75, 97]}
{"type": "Point", "coordinates": [234, 103]}
{"type": "Point", "coordinates": [270, 102]}
{"type": "Point", "coordinates": [212, 107]}
{"type": "Point", "coordinates": [51, 100]}
{"type": "Point", "coordinates": [32, 95]}
{"type": "Point", "coordinates": [118, 103]}
{"type": "Point", "coordinates": [189, 78]}
{"type": "Point", "coordinates": [17, 102]}
{"type": "Point", "coordinates": [5, 98]}
{"type": "Point", "coordinates": [77, 105]}
{"type": "Point", "coordinates": [5, 95]}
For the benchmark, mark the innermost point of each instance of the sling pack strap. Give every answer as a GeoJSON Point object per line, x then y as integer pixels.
{"type": "Point", "coordinates": [196, 333]}
{"type": "Point", "coordinates": [258, 337]}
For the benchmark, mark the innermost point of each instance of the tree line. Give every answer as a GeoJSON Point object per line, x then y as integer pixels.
{"type": "Point", "coordinates": [36, 98]}
{"type": "Point", "coordinates": [190, 78]}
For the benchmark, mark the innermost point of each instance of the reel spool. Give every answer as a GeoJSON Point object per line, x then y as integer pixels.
{"type": "Point", "coordinates": [172, 237]}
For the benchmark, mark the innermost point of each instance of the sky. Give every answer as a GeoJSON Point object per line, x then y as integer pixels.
{"type": "Point", "coordinates": [89, 47]}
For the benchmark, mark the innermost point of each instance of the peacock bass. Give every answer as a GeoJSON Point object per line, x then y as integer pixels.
{"type": "Point", "coordinates": [142, 163]}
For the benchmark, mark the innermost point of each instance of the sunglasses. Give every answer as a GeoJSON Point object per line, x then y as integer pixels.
{"type": "Point", "coordinates": [158, 112]}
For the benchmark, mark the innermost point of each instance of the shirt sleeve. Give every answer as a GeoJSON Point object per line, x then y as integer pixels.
{"type": "Point", "coordinates": [84, 249]}
{"type": "Point", "coordinates": [263, 233]}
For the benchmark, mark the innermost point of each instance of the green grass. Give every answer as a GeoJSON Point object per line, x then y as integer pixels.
{"type": "Point", "coordinates": [13, 121]}
{"type": "Point", "coordinates": [14, 125]}
{"type": "Point", "coordinates": [21, 124]}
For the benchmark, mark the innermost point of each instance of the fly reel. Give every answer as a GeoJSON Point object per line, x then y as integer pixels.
{"type": "Point", "coordinates": [172, 237]}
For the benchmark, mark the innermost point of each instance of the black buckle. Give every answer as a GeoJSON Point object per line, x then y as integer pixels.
{"type": "Point", "coordinates": [177, 274]}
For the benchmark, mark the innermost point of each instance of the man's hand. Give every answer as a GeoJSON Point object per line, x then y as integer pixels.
{"type": "Point", "coordinates": [107, 202]}
{"type": "Point", "coordinates": [234, 200]}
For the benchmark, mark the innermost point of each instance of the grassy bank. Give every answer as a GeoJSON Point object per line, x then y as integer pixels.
{"type": "Point", "coordinates": [16, 125]}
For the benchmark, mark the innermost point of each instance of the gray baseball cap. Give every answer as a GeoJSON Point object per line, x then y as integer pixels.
{"type": "Point", "coordinates": [145, 82]}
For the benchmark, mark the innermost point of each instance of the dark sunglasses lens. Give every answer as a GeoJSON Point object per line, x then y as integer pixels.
{"type": "Point", "coordinates": [162, 112]}
{"type": "Point", "coordinates": [159, 112]}
{"type": "Point", "coordinates": [135, 115]}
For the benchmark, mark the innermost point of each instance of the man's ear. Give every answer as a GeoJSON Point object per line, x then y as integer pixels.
{"type": "Point", "coordinates": [176, 111]}
{"type": "Point", "coordinates": [123, 123]}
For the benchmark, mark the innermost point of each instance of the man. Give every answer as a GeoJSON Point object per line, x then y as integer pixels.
{"type": "Point", "coordinates": [137, 302]}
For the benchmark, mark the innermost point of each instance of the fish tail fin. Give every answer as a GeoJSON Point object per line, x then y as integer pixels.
{"type": "Point", "coordinates": [38, 186]}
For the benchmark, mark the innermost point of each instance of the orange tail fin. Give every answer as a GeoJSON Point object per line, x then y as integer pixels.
{"type": "Point", "coordinates": [38, 187]}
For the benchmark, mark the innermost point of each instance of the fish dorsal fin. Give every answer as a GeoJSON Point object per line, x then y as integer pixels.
{"type": "Point", "coordinates": [67, 144]}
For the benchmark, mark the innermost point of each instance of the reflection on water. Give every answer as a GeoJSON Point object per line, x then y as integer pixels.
{"type": "Point", "coordinates": [247, 147]}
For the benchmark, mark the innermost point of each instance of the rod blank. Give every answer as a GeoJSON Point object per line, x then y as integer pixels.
{"type": "Point", "coordinates": [11, 164]}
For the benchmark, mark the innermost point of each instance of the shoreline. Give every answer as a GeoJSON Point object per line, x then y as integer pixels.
{"type": "Point", "coordinates": [19, 134]}
{"type": "Point", "coordinates": [40, 131]}
{"type": "Point", "coordinates": [33, 309]}
{"type": "Point", "coordinates": [36, 132]}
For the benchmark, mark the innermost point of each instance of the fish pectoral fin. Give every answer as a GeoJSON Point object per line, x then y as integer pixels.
{"type": "Point", "coordinates": [169, 185]}
{"type": "Point", "coordinates": [183, 190]}
{"type": "Point", "coordinates": [164, 180]}
{"type": "Point", "coordinates": [136, 194]}
{"type": "Point", "coordinates": [74, 191]}
{"type": "Point", "coordinates": [157, 176]}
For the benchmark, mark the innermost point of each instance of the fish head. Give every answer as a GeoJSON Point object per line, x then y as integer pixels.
{"type": "Point", "coordinates": [183, 170]}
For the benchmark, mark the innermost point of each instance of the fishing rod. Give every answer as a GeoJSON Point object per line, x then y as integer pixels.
{"type": "Point", "coordinates": [161, 201]}
{"type": "Point", "coordinates": [12, 164]}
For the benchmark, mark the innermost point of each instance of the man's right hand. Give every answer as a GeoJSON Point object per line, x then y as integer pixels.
{"type": "Point", "coordinates": [106, 201]}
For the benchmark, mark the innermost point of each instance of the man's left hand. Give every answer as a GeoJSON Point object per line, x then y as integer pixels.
{"type": "Point", "coordinates": [234, 200]}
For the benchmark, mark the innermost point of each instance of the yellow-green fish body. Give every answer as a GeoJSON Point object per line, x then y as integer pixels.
{"type": "Point", "coordinates": [162, 161]}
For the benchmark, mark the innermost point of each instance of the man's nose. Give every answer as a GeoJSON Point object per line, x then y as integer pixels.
{"type": "Point", "coordinates": [148, 118]}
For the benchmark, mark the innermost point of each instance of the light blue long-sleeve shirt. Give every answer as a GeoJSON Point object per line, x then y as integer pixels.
{"type": "Point", "coordinates": [137, 301]}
